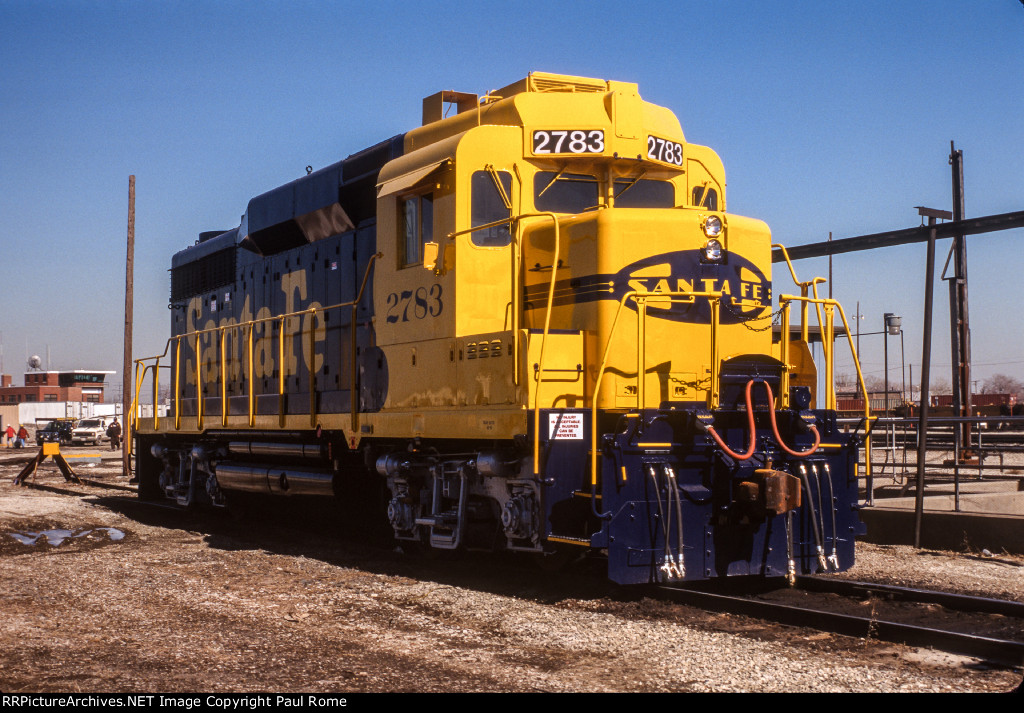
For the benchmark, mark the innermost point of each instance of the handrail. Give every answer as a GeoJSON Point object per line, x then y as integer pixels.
{"type": "Point", "coordinates": [222, 338]}
{"type": "Point", "coordinates": [130, 417]}
{"type": "Point", "coordinates": [804, 286]}
{"type": "Point", "coordinates": [199, 383]}
{"type": "Point", "coordinates": [828, 346]}
{"type": "Point", "coordinates": [353, 398]}
{"type": "Point", "coordinates": [539, 372]}
{"type": "Point", "coordinates": [250, 327]}
{"type": "Point", "coordinates": [827, 332]}
{"type": "Point", "coordinates": [131, 421]}
{"type": "Point", "coordinates": [177, 390]}
{"type": "Point", "coordinates": [641, 297]}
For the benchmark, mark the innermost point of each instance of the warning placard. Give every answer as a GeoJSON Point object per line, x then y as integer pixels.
{"type": "Point", "coordinates": [565, 426]}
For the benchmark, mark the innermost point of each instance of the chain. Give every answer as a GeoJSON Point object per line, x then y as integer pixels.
{"type": "Point", "coordinates": [744, 319]}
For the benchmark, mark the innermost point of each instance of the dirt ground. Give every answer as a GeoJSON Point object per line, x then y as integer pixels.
{"type": "Point", "coordinates": [144, 599]}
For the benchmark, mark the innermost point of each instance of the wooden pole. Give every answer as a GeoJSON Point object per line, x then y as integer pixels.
{"type": "Point", "coordinates": [926, 365]}
{"type": "Point", "coordinates": [126, 372]}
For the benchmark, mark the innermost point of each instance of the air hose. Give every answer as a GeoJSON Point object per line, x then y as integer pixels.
{"type": "Point", "coordinates": [753, 436]}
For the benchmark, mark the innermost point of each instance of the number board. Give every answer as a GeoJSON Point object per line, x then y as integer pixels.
{"type": "Point", "coordinates": [568, 141]}
{"type": "Point", "coordinates": [407, 306]}
{"type": "Point", "coordinates": [663, 150]}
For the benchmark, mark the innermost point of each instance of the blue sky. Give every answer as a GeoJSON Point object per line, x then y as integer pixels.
{"type": "Point", "coordinates": [828, 117]}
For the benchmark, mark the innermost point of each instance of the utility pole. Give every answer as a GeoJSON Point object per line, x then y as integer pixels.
{"type": "Point", "coordinates": [126, 372]}
{"type": "Point", "coordinates": [926, 359]}
{"type": "Point", "coordinates": [959, 327]}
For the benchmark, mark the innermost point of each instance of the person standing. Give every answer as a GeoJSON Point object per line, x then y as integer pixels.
{"type": "Point", "coordinates": [22, 436]}
{"type": "Point", "coordinates": [9, 434]}
{"type": "Point", "coordinates": [114, 431]}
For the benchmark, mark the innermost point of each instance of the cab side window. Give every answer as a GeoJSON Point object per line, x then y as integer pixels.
{"type": "Point", "coordinates": [417, 227]}
{"type": "Point", "coordinates": [704, 197]}
{"type": "Point", "coordinates": [491, 196]}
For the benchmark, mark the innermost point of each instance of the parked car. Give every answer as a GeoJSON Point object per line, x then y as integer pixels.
{"type": "Point", "coordinates": [56, 431]}
{"type": "Point", "coordinates": [91, 430]}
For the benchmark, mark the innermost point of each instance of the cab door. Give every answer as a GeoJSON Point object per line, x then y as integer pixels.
{"type": "Point", "coordinates": [414, 300]}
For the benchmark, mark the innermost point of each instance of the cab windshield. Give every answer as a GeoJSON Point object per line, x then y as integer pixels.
{"type": "Point", "coordinates": [564, 192]}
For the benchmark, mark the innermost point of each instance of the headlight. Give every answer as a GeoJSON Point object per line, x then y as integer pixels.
{"type": "Point", "coordinates": [713, 251]}
{"type": "Point", "coordinates": [712, 226]}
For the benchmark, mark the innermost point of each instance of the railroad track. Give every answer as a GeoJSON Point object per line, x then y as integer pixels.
{"type": "Point", "coordinates": [998, 651]}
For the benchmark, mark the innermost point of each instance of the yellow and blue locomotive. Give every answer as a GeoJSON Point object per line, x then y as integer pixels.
{"type": "Point", "coordinates": [529, 324]}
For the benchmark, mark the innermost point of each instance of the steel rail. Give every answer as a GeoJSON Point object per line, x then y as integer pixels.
{"type": "Point", "coordinates": [959, 602]}
{"type": "Point", "coordinates": [997, 651]}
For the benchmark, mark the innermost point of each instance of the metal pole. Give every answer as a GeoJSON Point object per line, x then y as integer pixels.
{"type": "Point", "coordinates": [830, 272]}
{"type": "Point", "coordinates": [885, 339]}
{"type": "Point", "coordinates": [857, 318]}
{"type": "Point", "coordinates": [961, 333]}
{"type": "Point", "coordinates": [126, 371]}
{"type": "Point", "coordinates": [903, 371]}
{"type": "Point", "coordinates": [957, 455]}
{"type": "Point", "coordinates": [926, 358]}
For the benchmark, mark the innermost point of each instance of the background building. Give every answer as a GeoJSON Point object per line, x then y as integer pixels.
{"type": "Point", "coordinates": [42, 386]}
{"type": "Point", "coordinates": [54, 394]}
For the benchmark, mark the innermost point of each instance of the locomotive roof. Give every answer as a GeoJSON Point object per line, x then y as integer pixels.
{"type": "Point", "coordinates": [342, 193]}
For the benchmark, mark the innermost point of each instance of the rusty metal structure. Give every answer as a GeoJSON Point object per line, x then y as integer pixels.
{"type": "Point", "coordinates": [960, 340]}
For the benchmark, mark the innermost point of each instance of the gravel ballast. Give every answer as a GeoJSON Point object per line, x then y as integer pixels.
{"type": "Point", "coordinates": [185, 603]}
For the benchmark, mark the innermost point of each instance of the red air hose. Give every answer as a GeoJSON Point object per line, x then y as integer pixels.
{"type": "Point", "coordinates": [778, 438]}
{"type": "Point", "coordinates": [750, 423]}
{"type": "Point", "coordinates": [775, 429]}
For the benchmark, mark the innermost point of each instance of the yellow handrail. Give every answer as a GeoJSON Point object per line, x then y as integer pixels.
{"type": "Point", "coordinates": [281, 415]}
{"type": "Point", "coordinates": [784, 357]}
{"type": "Point", "coordinates": [222, 338]}
{"type": "Point", "coordinates": [539, 372]}
{"type": "Point", "coordinates": [252, 380]}
{"type": "Point", "coordinates": [129, 418]}
{"type": "Point", "coordinates": [199, 382]}
{"type": "Point", "coordinates": [828, 347]}
{"type": "Point", "coordinates": [177, 385]}
{"type": "Point", "coordinates": [312, 367]}
{"type": "Point", "coordinates": [804, 286]}
{"type": "Point", "coordinates": [131, 421]}
{"type": "Point", "coordinates": [250, 327]}
{"type": "Point", "coordinates": [714, 298]}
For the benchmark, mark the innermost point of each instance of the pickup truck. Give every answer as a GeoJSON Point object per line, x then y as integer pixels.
{"type": "Point", "coordinates": [56, 431]}
{"type": "Point", "coordinates": [90, 430]}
